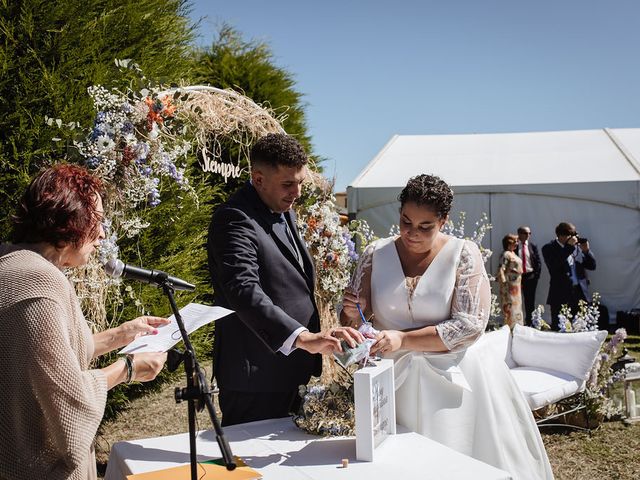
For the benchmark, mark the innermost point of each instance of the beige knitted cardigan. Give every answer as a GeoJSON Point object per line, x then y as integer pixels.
{"type": "Point", "coordinates": [50, 402]}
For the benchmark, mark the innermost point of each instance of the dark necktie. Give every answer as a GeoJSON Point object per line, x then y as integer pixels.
{"type": "Point", "coordinates": [282, 223]}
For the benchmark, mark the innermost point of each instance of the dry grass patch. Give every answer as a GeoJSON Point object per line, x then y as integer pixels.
{"type": "Point", "coordinates": [610, 452]}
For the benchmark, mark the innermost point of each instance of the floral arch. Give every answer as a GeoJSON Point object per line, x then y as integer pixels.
{"type": "Point", "coordinates": [139, 145]}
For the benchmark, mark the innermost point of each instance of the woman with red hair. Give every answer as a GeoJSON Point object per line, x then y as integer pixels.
{"type": "Point", "coordinates": [52, 401]}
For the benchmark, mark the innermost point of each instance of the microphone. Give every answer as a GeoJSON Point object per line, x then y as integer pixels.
{"type": "Point", "coordinates": [116, 269]}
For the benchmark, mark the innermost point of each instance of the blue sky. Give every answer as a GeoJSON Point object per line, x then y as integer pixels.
{"type": "Point", "coordinates": [372, 69]}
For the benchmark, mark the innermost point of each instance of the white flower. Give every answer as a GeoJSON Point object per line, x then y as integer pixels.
{"type": "Point", "coordinates": [130, 139]}
{"type": "Point", "coordinates": [104, 143]}
{"type": "Point", "coordinates": [155, 131]}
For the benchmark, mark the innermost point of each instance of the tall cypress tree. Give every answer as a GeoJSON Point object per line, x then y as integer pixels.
{"type": "Point", "coordinates": [50, 52]}
{"type": "Point", "coordinates": [249, 66]}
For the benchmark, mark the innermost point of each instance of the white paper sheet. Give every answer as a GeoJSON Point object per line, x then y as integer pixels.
{"type": "Point", "coordinates": [193, 315]}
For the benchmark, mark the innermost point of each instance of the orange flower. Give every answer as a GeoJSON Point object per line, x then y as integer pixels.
{"type": "Point", "coordinates": [155, 113]}
{"type": "Point", "coordinates": [169, 108]}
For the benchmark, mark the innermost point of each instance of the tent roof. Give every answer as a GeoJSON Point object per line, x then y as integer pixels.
{"type": "Point", "coordinates": [580, 156]}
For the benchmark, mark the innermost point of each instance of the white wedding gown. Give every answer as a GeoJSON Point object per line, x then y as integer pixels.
{"type": "Point", "coordinates": [465, 398]}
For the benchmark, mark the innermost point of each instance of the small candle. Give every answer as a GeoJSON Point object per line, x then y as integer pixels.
{"type": "Point", "coordinates": [345, 462]}
{"type": "Point", "coordinates": [631, 402]}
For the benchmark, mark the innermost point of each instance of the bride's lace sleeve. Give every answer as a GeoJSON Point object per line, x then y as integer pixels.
{"type": "Point", "coordinates": [360, 283]}
{"type": "Point", "coordinates": [471, 303]}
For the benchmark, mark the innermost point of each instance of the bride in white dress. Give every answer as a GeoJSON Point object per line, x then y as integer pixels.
{"type": "Point", "coordinates": [430, 298]}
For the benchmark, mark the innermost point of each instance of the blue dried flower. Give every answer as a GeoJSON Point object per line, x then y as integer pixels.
{"type": "Point", "coordinates": [127, 127]}
{"type": "Point", "coordinates": [153, 196]}
{"type": "Point", "coordinates": [351, 246]}
{"type": "Point", "coordinates": [142, 151]}
{"type": "Point", "coordinates": [157, 105]}
{"type": "Point", "coordinates": [96, 132]}
{"type": "Point", "coordinates": [108, 249]}
{"type": "Point", "coordinates": [93, 162]}
{"type": "Point", "coordinates": [146, 171]}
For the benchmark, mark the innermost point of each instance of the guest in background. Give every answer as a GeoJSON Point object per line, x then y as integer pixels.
{"type": "Point", "coordinates": [508, 277]}
{"type": "Point", "coordinates": [52, 401]}
{"type": "Point", "coordinates": [567, 258]}
{"type": "Point", "coordinates": [531, 267]}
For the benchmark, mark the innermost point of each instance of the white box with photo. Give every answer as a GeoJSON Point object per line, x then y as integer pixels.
{"type": "Point", "coordinates": [374, 391]}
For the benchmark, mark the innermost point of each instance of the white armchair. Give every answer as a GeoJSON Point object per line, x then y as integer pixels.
{"type": "Point", "coordinates": [547, 366]}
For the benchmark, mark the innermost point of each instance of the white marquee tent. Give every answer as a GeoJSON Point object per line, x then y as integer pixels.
{"type": "Point", "coordinates": [590, 178]}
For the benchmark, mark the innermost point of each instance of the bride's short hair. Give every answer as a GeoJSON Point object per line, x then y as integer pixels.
{"type": "Point", "coordinates": [430, 191]}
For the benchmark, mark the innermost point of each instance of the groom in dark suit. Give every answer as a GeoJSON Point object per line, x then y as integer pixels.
{"type": "Point", "coordinates": [531, 267]}
{"type": "Point", "coordinates": [261, 269]}
{"type": "Point", "coordinates": [567, 258]}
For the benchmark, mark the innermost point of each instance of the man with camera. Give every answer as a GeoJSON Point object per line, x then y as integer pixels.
{"type": "Point", "coordinates": [567, 257]}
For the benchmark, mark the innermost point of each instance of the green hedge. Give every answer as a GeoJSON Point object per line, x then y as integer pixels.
{"type": "Point", "coordinates": [50, 52]}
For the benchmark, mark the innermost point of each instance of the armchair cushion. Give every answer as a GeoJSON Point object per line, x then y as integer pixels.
{"type": "Point", "coordinates": [543, 387]}
{"type": "Point", "coordinates": [499, 341]}
{"type": "Point", "coordinates": [571, 353]}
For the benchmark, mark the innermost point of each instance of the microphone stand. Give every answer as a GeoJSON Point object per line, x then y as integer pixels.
{"type": "Point", "coordinates": [197, 391]}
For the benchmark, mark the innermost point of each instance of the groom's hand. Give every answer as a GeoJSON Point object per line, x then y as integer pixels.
{"type": "Point", "coordinates": [328, 342]}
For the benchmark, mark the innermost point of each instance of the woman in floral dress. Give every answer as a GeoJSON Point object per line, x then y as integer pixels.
{"type": "Point", "coordinates": [509, 278]}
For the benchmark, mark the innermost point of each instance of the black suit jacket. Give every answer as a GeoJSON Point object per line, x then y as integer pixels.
{"type": "Point", "coordinates": [560, 286]}
{"type": "Point", "coordinates": [255, 272]}
{"type": "Point", "coordinates": [534, 256]}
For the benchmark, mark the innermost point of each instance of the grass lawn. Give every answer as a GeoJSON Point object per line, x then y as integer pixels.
{"type": "Point", "coordinates": [610, 452]}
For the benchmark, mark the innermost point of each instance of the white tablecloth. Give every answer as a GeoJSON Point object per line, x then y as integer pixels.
{"type": "Point", "coordinates": [279, 450]}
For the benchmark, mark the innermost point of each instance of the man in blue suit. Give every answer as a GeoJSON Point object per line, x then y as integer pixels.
{"type": "Point", "coordinates": [567, 258]}
{"type": "Point", "coordinates": [261, 269]}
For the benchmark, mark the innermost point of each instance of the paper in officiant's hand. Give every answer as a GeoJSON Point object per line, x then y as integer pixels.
{"type": "Point", "coordinates": [193, 315]}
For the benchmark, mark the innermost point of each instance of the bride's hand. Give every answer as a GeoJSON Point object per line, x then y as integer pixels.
{"type": "Point", "coordinates": [387, 341]}
{"type": "Point", "coordinates": [349, 305]}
